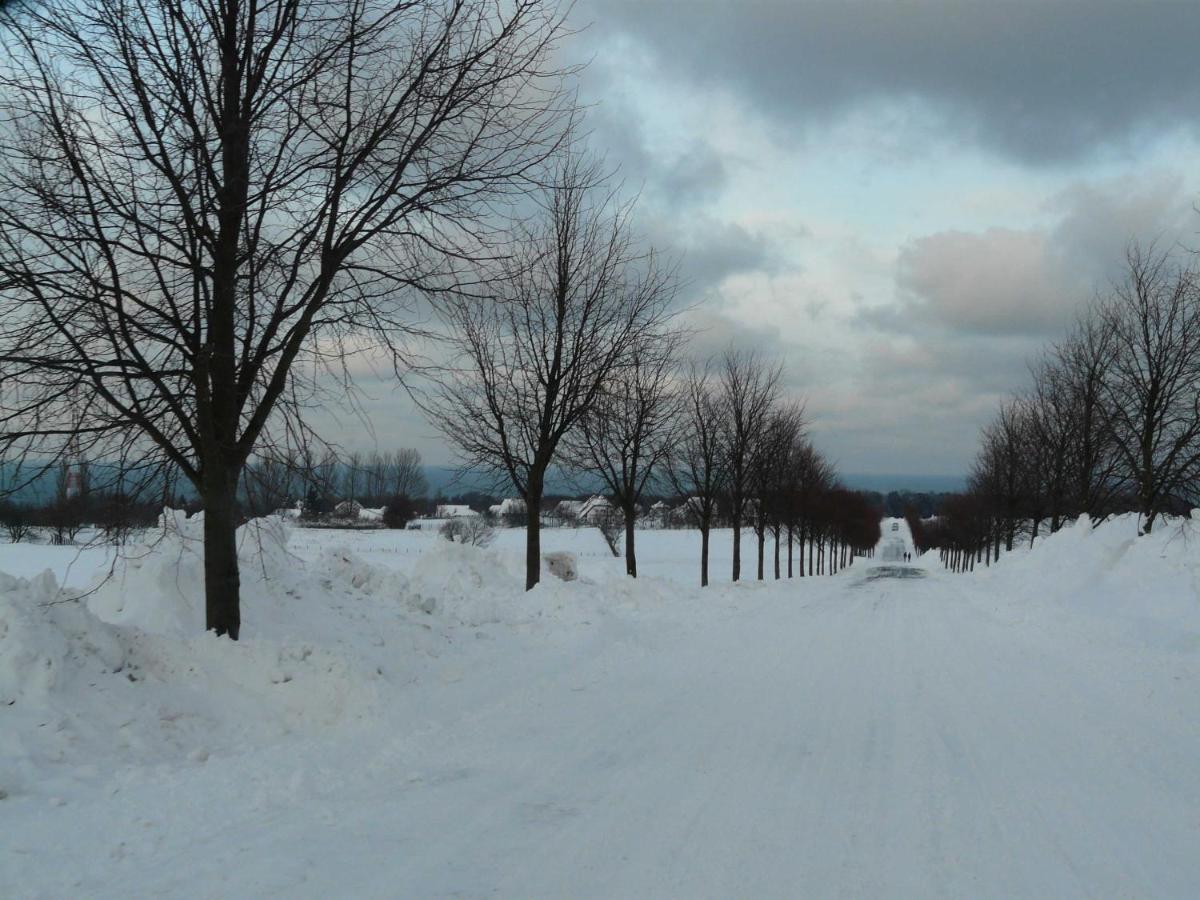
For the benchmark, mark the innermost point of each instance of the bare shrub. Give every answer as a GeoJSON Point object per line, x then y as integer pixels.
{"type": "Point", "coordinates": [15, 521]}
{"type": "Point", "coordinates": [610, 527]}
{"type": "Point", "coordinates": [468, 530]}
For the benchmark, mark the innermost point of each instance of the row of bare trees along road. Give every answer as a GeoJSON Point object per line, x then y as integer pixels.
{"type": "Point", "coordinates": [1110, 422]}
{"type": "Point", "coordinates": [210, 208]}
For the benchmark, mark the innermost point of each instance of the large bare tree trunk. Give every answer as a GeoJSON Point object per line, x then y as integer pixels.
{"type": "Point", "coordinates": [630, 552]}
{"type": "Point", "coordinates": [1146, 498]}
{"type": "Point", "coordinates": [737, 547]}
{"type": "Point", "coordinates": [704, 529]}
{"type": "Point", "coordinates": [222, 580]}
{"type": "Point", "coordinates": [533, 538]}
{"type": "Point", "coordinates": [761, 536]}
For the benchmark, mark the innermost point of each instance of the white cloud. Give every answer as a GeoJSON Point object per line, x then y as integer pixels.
{"type": "Point", "coordinates": [998, 282]}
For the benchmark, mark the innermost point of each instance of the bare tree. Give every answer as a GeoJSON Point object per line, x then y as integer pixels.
{"type": "Point", "coordinates": [809, 477]}
{"type": "Point", "coordinates": [1051, 436]}
{"type": "Point", "coordinates": [269, 482]}
{"type": "Point", "coordinates": [1002, 473]}
{"type": "Point", "coordinates": [626, 436]}
{"type": "Point", "coordinates": [201, 200]}
{"type": "Point", "coordinates": [772, 462]}
{"type": "Point", "coordinates": [374, 476]}
{"type": "Point", "coordinates": [574, 298]}
{"type": "Point", "coordinates": [471, 530]}
{"type": "Point", "coordinates": [696, 457]}
{"type": "Point", "coordinates": [751, 388]}
{"type": "Point", "coordinates": [404, 477]}
{"type": "Point", "coordinates": [15, 521]}
{"type": "Point", "coordinates": [65, 514]}
{"type": "Point", "coordinates": [353, 476]}
{"type": "Point", "coordinates": [390, 474]}
{"type": "Point", "coordinates": [318, 471]}
{"type": "Point", "coordinates": [1085, 360]}
{"type": "Point", "coordinates": [1153, 388]}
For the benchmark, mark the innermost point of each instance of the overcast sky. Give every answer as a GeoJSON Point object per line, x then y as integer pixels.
{"type": "Point", "coordinates": [900, 200]}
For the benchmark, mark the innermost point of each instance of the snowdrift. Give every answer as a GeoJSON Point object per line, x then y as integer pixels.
{"type": "Point", "coordinates": [159, 585]}
{"type": "Point", "coordinates": [1144, 590]}
{"type": "Point", "coordinates": [47, 638]}
{"type": "Point", "coordinates": [75, 689]}
{"type": "Point", "coordinates": [122, 669]}
{"type": "Point", "coordinates": [1030, 728]}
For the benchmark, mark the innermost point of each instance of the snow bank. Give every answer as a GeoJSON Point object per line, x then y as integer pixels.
{"type": "Point", "coordinates": [46, 638]}
{"type": "Point", "coordinates": [473, 586]}
{"type": "Point", "coordinates": [158, 586]}
{"type": "Point", "coordinates": [464, 585]}
{"type": "Point", "coordinates": [55, 658]}
{"type": "Point", "coordinates": [1145, 589]}
{"type": "Point", "coordinates": [122, 669]}
{"type": "Point", "coordinates": [125, 670]}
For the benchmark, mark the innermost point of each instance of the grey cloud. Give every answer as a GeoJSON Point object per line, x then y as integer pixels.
{"type": "Point", "coordinates": [693, 176]}
{"type": "Point", "coordinates": [976, 366]}
{"type": "Point", "coordinates": [615, 132]}
{"type": "Point", "coordinates": [919, 408]}
{"type": "Point", "coordinates": [1099, 220]}
{"type": "Point", "coordinates": [709, 250]}
{"type": "Point", "coordinates": [715, 250]}
{"type": "Point", "coordinates": [976, 308]}
{"type": "Point", "coordinates": [696, 176]}
{"type": "Point", "coordinates": [1042, 80]}
{"type": "Point", "coordinates": [998, 282]}
{"type": "Point", "coordinates": [1029, 282]}
{"type": "Point", "coordinates": [712, 333]}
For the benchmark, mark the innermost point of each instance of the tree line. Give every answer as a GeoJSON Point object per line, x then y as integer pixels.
{"type": "Point", "coordinates": [738, 445]}
{"type": "Point", "coordinates": [1110, 422]}
{"type": "Point", "coordinates": [573, 358]}
{"type": "Point", "coordinates": [318, 482]}
{"type": "Point", "coordinates": [115, 503]}
{"type": "Point", "coordinates": [577, 361]}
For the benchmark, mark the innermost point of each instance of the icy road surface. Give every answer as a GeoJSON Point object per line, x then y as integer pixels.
{"type": "Point", "coordinates": [882, 736]}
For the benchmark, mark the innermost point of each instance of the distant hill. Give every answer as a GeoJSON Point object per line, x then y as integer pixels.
{"type": "Point", "coordinates": [932, 484]}
{"type": "Point", "coordinates": [448, 481]}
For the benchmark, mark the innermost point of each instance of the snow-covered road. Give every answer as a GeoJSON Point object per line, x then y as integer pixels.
{"type": "Point", "coordinates": [879, 737]}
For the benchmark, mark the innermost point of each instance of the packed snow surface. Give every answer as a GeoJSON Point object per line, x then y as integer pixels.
{"type": "Point", "coordinates": [402, 719]}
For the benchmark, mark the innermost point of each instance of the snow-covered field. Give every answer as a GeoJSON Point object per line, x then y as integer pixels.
{"type": "Point", "coordinates": [401, 719]}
